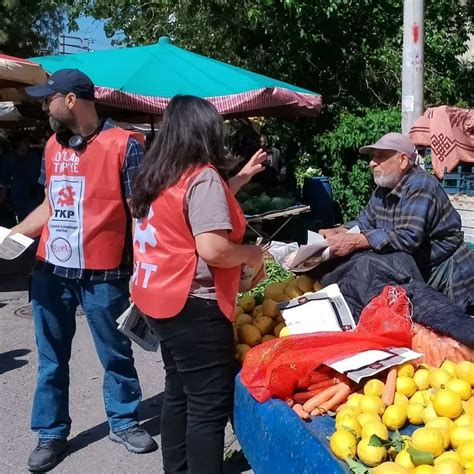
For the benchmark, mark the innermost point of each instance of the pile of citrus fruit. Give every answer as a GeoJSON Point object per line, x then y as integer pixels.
{"type": "Point", "coordinates": [255, 324]}
{"type": "Point", "coordinates": [439, 400]}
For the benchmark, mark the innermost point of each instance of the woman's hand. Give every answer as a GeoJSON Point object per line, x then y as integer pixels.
{"type": "Point", "coordinates": [218, 251]}
{"type": "Point", "coordinates": [253, 167]}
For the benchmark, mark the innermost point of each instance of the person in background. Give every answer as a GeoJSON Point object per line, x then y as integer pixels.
{"type": "Point", "coordinates": [22, 172]}
{"type": "Point", "coordinates": [188, 255]}
{"type": "Point", "coordinates": [409, 212]}
{"type": "Point", "coordinates": [274, 157]}
{"type": "Point", "coordinates": [83, 259]}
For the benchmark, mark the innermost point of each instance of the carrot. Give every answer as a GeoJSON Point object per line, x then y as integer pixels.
{"type": "Point", "coordinates": [301, 412]}
{"type": "Point", "coordinates": [303, 397]}
{"type": "Point", "coordinates": [343, 391]}
{"type": "Point", "coordinates": [320, 398]}
{"type": "Point", "coordinates": [388, 393]}
{"type": "Point", "coordinates": [323, 384]}
{"type": "Point", "coordinates": [321, 374]}
{"type": "Point", "coordinates": [304, 383]}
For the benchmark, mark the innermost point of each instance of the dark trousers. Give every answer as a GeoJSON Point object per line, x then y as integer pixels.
{"type": "Point", "coordinates": [197, 347]}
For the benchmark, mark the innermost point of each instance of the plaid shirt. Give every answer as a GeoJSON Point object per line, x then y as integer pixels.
{"type": "Point", "coordinates": [417, 217]}
{"type": "Point", "coordinates": [133, 159]}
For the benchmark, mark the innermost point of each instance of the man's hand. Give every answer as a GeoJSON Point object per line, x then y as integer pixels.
{"type": "Point", "coordinates": [253, 167]}
{"type": "Point", "coordinates": [327, 233]}
{"type": "Point", "coordinates": [346, 243]}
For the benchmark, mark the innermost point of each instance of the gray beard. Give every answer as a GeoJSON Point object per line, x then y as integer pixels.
{"type": "Point", "coordinates": [386, 181]}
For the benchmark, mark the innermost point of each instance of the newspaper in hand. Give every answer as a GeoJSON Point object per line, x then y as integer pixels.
{"type": "Point", "coordinates": [132, 323]}
{"type": "Point", "coordinates": [324, 310]}
{"type": "Point", "coordinates": [316, 251]}
{"type": "Point", "coordinates": [12, 246]}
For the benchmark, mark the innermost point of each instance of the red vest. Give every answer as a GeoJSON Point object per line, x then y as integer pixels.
{"type": "Point", "coordinates": [165, 257]}
{"type": "Point", "coordinates": [87, 224]}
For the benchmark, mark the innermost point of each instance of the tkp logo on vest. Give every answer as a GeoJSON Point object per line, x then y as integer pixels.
{"type": "Point", "coordinates": [145, 233]}
{"type": "Point", "coordinates": [66, 196]}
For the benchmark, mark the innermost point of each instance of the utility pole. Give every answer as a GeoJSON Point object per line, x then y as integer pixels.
{"type": "Point", "coordinates": [412, 66]}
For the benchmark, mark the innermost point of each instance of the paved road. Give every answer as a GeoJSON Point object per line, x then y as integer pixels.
{"type": "Point", "coordinates": [91, 450]}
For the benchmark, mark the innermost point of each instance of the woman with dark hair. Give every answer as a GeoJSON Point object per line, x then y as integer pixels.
{"type": "Point", "coordinates": [188, 255]}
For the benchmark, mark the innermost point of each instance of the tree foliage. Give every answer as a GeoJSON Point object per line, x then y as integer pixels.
{"type": "Point", "coordinates": [29, 26]}
{"type": "Point", "coordinates": [350, 51]}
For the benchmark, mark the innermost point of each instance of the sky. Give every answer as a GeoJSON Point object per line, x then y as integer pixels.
{"type": "Point", "coordinates": [90, 34]}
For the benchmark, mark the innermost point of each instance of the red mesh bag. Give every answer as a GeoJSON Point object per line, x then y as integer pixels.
{"type": "Point", "coordinates": [277, 367]}
{"type": "Point", "coordinates": [438, 348]}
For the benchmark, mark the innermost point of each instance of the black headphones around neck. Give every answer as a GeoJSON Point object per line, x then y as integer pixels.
{"type": "Point", "coordinates": [78, 142]}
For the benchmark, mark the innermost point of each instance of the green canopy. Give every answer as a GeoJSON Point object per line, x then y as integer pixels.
{"type": "Point", "coordinates": [145, 78]}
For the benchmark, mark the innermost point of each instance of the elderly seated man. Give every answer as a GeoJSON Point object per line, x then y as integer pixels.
{"type": "Point", "coordinates": [410, 213]}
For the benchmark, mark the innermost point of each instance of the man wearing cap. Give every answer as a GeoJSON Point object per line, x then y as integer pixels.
{"type": "Point", "coordinates": [83, 259]}
{"type": "Point", "coordinates": [410, 212]}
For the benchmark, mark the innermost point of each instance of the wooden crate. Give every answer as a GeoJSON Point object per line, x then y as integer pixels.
{"type": "Point", "coordinates": [465, 206]}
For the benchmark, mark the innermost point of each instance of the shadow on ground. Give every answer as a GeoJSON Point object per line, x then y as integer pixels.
{"type": "Point", "coordinates": [149, 414]}
{"type": "Point", "coordinates": [9, 360]}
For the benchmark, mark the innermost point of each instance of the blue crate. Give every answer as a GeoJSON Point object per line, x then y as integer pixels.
{"type": "Point", "coordinates": [453, 183]}
{"type": "Point", "coordinates": [469, 185]}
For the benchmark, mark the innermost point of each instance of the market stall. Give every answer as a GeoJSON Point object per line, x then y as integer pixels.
{"type": "Point", "coordinates": [144, 79]}
{"type": "Point", "coordinates": [308, 401]}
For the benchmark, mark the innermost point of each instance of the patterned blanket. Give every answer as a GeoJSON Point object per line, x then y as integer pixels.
{"type": "Point", "coordinates": [449, 132]}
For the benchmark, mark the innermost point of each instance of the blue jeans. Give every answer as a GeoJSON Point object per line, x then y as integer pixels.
{"type": "Point", "coordinates": [55, 300]}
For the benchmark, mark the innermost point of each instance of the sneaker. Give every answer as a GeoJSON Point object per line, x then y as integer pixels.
{"type": "Point", "coordinates": [47, 454]}
{"type": "Point", "coordinates": [135, 439]}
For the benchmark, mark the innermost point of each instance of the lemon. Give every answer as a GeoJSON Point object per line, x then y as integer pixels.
{"type": "Point", "coordinates": [429, 440]}
{"type": "Point", "coordinates": [404, 459]}
{"type": "Point", "coordinates": [466, 453]}
{"type": "Point", "coordinates": [439, 378]}
{"type": "Point", "coordinates": [370, 455]}
{"type": "Point", "coordinates": [374, 387]}
{"type": "Point", "coordinates": [441, 422]}
{"type": "Point", "coordinates": [349, 423]}
{"type": "Point", "coordinates": [447, 403]}
{"type": "Point", "coordinates": [448, 466]}
{"type": "Point", "coordinates": [468, 406]}
{"type": "Point", "coordinates": [429, 414]}
{"type": "Point", "coordinates": [406, 385]}
{"type": "Point", "coordinates": [419, 397]}
{"type": "Point", "coordinates": [371, 403]}
{"type": "Point", "coordinates": [444, 433]}
{"type": "Point", "coordinates": [461, 387]}
{"type": "Point", "coordinates": [400, 399]}
{"type": "Point", "coordinates": [465, 371]}
{"type": "Point", "coordinates": [285, 331]}
{"type": "Point", "coordinates": [448, 455]}
{"type": "Point", "coordinates": [343, 444]}
{"type": "Point", "coordinates": [390, 468]}
{"type": "Point", "coordinates": [376, 428]}
{"type": "Point", "coordinates": [247, 303]}
{"type": "Point", "coordinates": [461, 435]}
{"type": "Point", "coordinates": [464, 420]}
{"type": "Point", "coordinates": [353, 400]}
{"type": "Point", "coordinates": [394, 417]}
{"type": "Point", "coordinates": [415, 413]}
{"type": "Point", "coordinates": [450, 367]}
{"type": "Point", "coordinates": [344, 411]}
{"type": "Point", "coordinates": [423, 469]}
{"type": "Point", "coordinates": [368, 417]}
{"type": "Point", "coordinates": [406, 369]}
{"type": "Point", "coordinates": [422, 379]}
{"type": "Point", "coordinates": [469, 466]}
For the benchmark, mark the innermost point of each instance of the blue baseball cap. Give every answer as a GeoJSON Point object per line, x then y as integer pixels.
{"type": "Point", "coordinates": [64, 81]}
